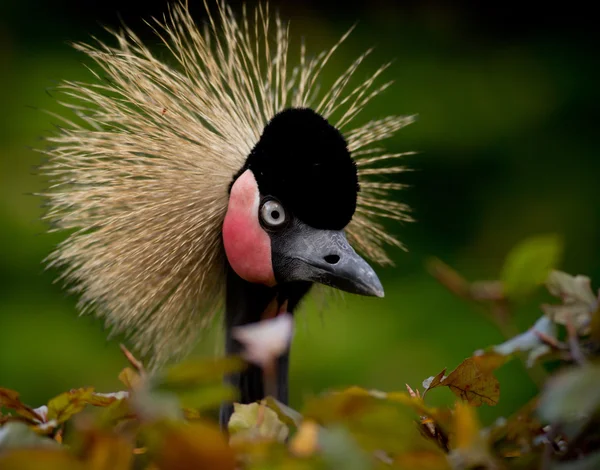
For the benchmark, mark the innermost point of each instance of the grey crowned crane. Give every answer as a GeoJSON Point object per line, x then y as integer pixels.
{"type": "Point", "coordinates": [217, 180]}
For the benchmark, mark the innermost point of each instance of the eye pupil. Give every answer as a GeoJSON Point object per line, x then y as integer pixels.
{"type": "Point", "coordinates": [272, 214]}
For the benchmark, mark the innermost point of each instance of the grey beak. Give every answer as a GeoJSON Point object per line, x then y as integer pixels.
{"type": "Point", "coordinates": [324, 256]}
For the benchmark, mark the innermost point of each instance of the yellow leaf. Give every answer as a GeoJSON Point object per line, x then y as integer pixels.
{"type": "Point", "coordinates": [306, 440]}
{"type": "Point", "coordinates": [130, 378]}
{"type": "Point", "coordinates": [466, 431]}
{"type": "Point", "coordinates": [469, 448]}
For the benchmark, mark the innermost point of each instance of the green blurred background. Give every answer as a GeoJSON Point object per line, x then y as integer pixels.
{"type": "Point", "coordinates": [507, 100]}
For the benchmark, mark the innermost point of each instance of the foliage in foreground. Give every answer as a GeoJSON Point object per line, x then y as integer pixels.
{"type": "Point", "coordinates": [167, 420]}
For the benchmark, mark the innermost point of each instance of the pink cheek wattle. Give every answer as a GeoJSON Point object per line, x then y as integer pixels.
{"type": "Point", "coordinates": [247, 245]}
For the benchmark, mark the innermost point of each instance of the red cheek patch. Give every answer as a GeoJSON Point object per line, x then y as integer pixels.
{"type": "Point", "coordinates": [247, 245]}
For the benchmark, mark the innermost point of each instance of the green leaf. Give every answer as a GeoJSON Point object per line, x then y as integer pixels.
{"type": "Point", "coordinates": [528, 264]}
{"type": "Point", "coordinates": [256, 421]}
{"type": "Point", "coordinates": [286, 414]}
{"type": "Point", "coordinates": [191, 374]}
{"type": "Point", "coordinates": [340, 450]}
{"type": "Point", "coordinates": [571, 396]}
{"type": "Point", "coordinates": [207, 397]}
{"type": "Point", "coordinates": [17, 434]}
{"type": "Point", "coordinates": [65, 405]}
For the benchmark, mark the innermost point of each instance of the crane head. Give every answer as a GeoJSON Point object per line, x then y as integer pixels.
{"type": "Point", "coordinates": [289, 204]}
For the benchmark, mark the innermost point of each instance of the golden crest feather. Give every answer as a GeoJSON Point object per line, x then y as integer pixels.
{"type": "Point", "coordinates": [140, 175]}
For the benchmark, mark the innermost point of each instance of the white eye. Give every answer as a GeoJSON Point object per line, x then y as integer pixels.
{"type": "Point", "coordinates": [272, 214]}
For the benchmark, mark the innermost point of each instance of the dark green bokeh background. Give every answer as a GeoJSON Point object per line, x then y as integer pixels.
{"type": "Point", "coordinates": [508, 109]}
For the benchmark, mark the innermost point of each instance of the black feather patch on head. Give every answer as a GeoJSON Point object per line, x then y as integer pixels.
{"type": "Point", "coordinates": [304, 161]}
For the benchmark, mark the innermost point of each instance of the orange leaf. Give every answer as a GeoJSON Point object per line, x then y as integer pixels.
{"type": "Point", "coordinates": [305, 442]}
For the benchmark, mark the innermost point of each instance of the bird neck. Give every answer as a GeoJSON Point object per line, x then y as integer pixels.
{"type": "Point", "coordinates": [250, 303]}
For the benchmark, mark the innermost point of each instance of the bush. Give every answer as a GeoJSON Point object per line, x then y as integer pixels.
{"type": "Point", "coordinates": [166, 420]}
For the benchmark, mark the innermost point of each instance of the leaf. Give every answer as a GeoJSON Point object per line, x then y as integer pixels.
{"type": "Point", "coordinates": [530, 341]}
{"type": "Point", "coordinates": [191, 447]}
{"type": "Point", "coordinates": [130, 378]}
{"type": "Point", "coordinates": [194, 373]}
{"type": "Point", "coordinates": [467, 432]}
{"type": "Point", "coordinates": [339, 450]}
{"type": "Point", "coordinates": [579, 301]}
{"type": "Point", "coordinates": [306, 441]}
{"type": "Point", "coordinates": [286, 414]}
{"type": "Point", "coordinates": [378, 421]}
{"type": "Point", "coordinates": [66, 405]}
{"type": "Point", "coordinates": [587, 462]}
{"type": "Point", "coordinates": [433, 381]}
{"type": "Point", "coordinates": [11, 400]}
{"type": "Point", "coordinates": [104, 450]}
{"type": "Point", "coordinates": [528, 264]}
{"type": "Point", "coordinates": [571, 396]}
{"type": "Point", "coordinates": [473, 380]}
{"type": "Point", "coordinates": [17, 434]}
{"type": "Point", "coordinates": [469, 448]}
{"type": "Point", "coordinates": [338, 406]}
{"type": "Point", "coordinates": [207, 397]}
{"type": "Point", "coordinates": [256, 421]}
{"type": "Point", "coordinates": [422, 460]}
{"type": "Point", "coordinates": [37, 459]}
{"type": "Point", "coordinates": [520, 428]}
{"type": "Point", "coordinates": [595, 325]}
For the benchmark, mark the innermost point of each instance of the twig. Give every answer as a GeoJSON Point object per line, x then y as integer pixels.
{"type": "Point", "coordinates": [137, 365]}
{"type": "Point", "coordinates": [550, 341]}
{"type": "Point", "coordinates": [574, 346]}
{"type": "Point", "coordinates": [550, 448]}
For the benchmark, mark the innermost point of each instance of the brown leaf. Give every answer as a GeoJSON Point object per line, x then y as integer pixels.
{"type": "Point", "coordinates": [103, 450]}
{"type": "Point", "coordinates": [36, 459]}
{"type": "Point", "coordinates": [473, 380]}
{"type": "Point", "coordinates": [579, 301]}
{"type": "Point", "coordinates": [194, 446]}
{"type": "Point", "coordinates": [595, 325]}
{"type": "Point", "coordinates": [11, 400]}
{"type": "Point", "coordinates": [422, 460]}
{"type": "Point", "coordinates": [518, 431]}
{"type": "Point", "coordinates": [433, 381]}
